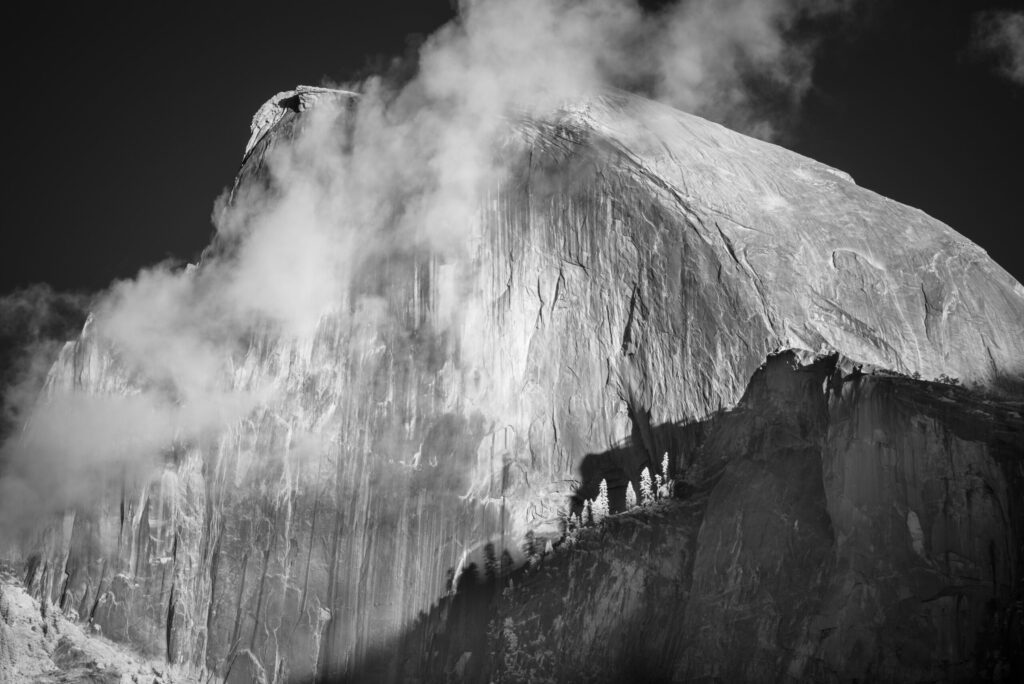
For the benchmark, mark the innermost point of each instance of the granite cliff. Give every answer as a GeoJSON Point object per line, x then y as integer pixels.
{"type": "Point", "coordinates": [639, 281]}
{"type": "Point", "coordinates": [834, 527]}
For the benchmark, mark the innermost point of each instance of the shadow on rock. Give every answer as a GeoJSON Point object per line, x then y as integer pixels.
{"type": "Point", "coordinates": [834, 525]}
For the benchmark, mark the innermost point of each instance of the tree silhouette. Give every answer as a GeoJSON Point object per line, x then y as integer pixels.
{"type": "Point", "coordinates": [468, 578]}
{"type": "Point", "coordinates": [490, 563]}
{"type": "Point", "coordinates": [449, 580]}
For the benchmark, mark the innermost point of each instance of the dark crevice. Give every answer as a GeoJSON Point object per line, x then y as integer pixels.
{"type": "Point", "coordinates": [309, 555]}
{"type": "Point", "coordinates": [628, 347]}
{"type": "Point", "coordinates": [238, 603]}
{"type": "Point", "coordinates": [121, 510]}
{"type": "Point", "coordinates": [99, 592]}
{"type": "Point", "coordinates": [169, 633]}
{"type": "Point", "coordinates": [214, 567]}
{"type": "Point", "coordinates": [263, 583]}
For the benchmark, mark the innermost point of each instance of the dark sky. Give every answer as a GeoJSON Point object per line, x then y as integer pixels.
{"type": "Point", "coordinates": [124, 125]}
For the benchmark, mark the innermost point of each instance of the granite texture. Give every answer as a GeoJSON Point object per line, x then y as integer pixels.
{"type": "Point", "coordinates": [632, 270]}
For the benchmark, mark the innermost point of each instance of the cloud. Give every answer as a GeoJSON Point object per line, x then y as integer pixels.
{"type": "Point", "coordinates": [35, 322]}
{"type": "Point", "coordinates": [354, 197]}
{"type": "Point", "coordinates": [744, 63]}
{"type": "Point", "coordinates": [716, 58]}
{"type": "Point", "coordinates": [76, 444]}
{"type": "Point", "coordinates": [1001, 35]}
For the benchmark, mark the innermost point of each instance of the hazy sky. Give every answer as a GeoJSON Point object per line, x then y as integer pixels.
{"type": "Point", "coordinates": [125, 124]}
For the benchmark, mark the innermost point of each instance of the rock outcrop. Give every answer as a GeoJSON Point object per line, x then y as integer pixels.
{"type": "Point", "coordinates": [832, 527]}
{"type": "Point", "coordinates": [38, 644]}
{"type": "Point", "coordinates": [633, 270]}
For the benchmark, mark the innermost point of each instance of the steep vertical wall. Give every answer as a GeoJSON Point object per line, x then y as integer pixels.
{"type": "Point", "coordinates": [858, 528]}
{"type": "Point", "coordinates": [634, 269]}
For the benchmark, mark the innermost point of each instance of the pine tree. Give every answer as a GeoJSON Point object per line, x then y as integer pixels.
{"type": "Point", "coordinates": [467, 579]}
{"type": "Point", "coordinates": [588, 513]}
{"type": "Point", "coordinates": [572, 527]}
{"type": "Point", "coordinates": [449, 582]}
{"type": "Point", "coordinates": [531, 549]}
{"type": "Point", "coordinates": [630, 496]}
{"type": "Point", "coordinates": [600, 508]}
{"type": "Point", "coordinates": [490, 562]}
{"type": "Point", "coordinates": [646, 487]}
{"type": "Point", "coordinates": [506, 563]}
{"type": "Point", "coordinates": [664, 467]}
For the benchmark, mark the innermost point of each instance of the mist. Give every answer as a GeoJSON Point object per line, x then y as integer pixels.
{"type": "Point", "coordinates": [34, 324]}
{"type": "Point", "coordinates": [403, 170]}
{"type": "Point", "coordinates": [1000, 35]}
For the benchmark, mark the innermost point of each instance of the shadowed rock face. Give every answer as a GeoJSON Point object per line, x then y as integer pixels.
{"type": "Point", "coordinates": [633, 270]}
{"type": "Point", "coordinates": [859, 530]}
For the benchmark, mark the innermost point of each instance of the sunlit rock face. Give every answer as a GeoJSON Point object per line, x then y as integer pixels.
{"type": "Point", "coordinates": [633, 269]}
